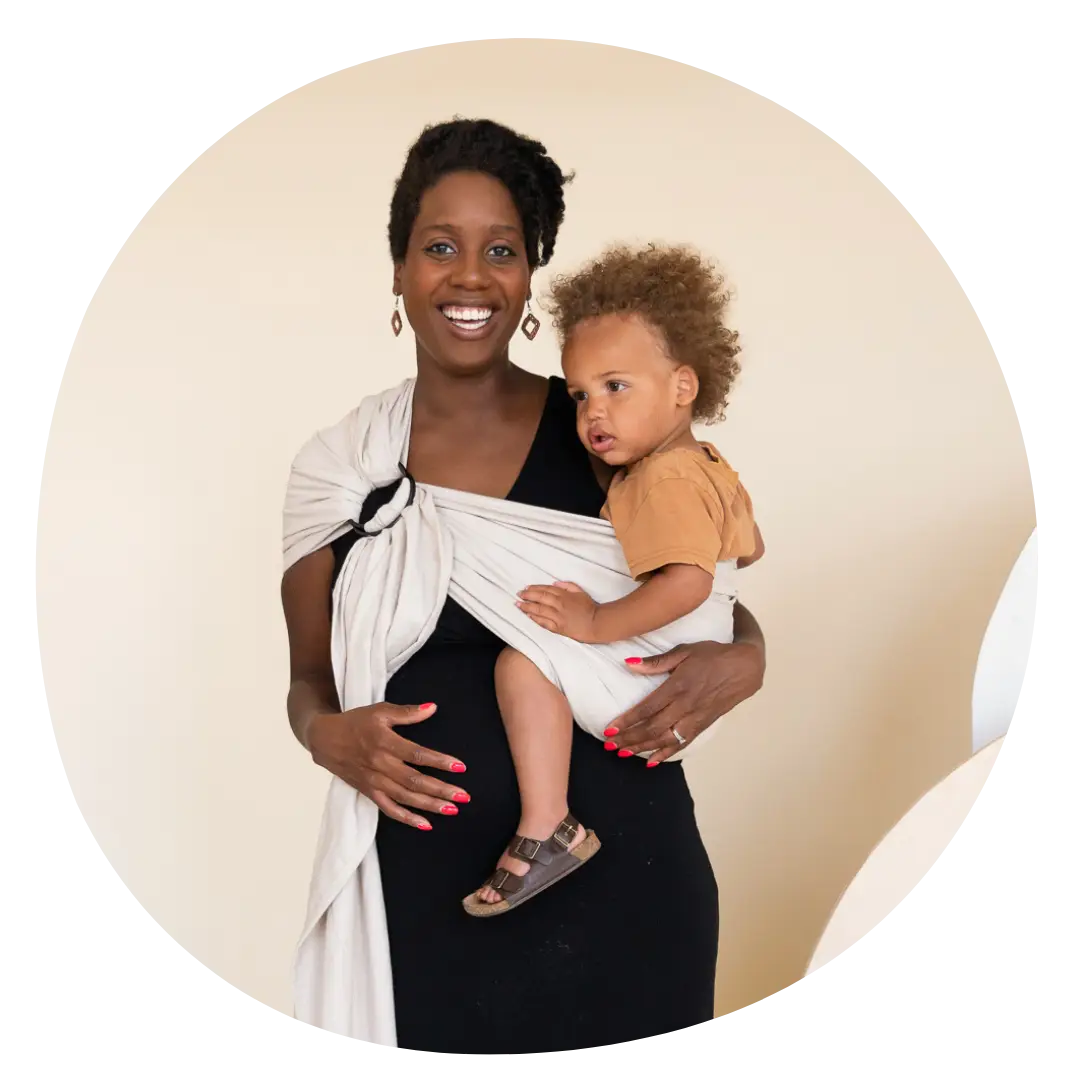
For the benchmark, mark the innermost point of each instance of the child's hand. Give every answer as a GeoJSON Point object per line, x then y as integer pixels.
{"type": "Point", "coordinates": [563, 608]}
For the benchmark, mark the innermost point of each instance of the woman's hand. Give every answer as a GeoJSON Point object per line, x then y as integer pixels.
{"type": "Point", "coordinates": [706, 680]}
{"type": "Point", "coordinates": [361, 747]}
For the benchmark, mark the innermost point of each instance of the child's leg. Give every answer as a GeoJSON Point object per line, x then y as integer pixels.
{"type": "Point", "coordinates": [539, 729]}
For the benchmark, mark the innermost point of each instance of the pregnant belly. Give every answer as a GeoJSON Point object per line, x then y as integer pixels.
{"type": "Point", "coordinates": [460, 679]}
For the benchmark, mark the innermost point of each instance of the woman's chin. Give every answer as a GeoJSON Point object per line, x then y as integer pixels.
{"type": "Point", "coordinates": [463, 357]}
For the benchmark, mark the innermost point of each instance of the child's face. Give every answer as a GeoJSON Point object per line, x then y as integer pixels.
{"type": "Point", "coordinates": [631, 397]}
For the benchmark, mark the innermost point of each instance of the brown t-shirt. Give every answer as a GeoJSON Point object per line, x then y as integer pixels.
{"type": "Point", "coordinates": [680, 506]}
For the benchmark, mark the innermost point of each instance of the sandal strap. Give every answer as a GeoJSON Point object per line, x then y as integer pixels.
{"type": "Point", "coordinates": [565, 833]}
{"type": "Point", "coordinates": [532, 851]}
{"type": "Point", "coordinates": [505, 883]}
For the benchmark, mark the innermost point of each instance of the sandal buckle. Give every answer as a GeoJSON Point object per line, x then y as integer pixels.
{"type": "Point", "coordinates": [499, 878]}
{"type": "Point", "coordinates": [519, 848]}
{"type": "Point", "coordinates": [564, 835]}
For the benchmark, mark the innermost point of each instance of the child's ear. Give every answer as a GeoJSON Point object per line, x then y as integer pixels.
{"type": "Point", "coordinates": [686, 386]}
{"type": "Point", "coordinates": [397, 279]}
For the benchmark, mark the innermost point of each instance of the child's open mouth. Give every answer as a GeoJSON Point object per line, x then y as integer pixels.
{"type": "Point", "coordinates": [600, 441]}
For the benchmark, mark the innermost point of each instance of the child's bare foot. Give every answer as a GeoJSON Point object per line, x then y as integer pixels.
{"type": "Point", "coordinates": [535, 829]}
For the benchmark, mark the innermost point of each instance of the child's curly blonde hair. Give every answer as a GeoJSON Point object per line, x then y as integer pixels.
{"type": "Point", "coordinates": [676, 291]}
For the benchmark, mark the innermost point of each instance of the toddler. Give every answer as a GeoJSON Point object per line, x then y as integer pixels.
{"type": "Point", "coordinates": [645, 353]}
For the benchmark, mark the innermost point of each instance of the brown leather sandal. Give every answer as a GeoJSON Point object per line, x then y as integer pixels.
{"type": "Point", "coordinates": [549, 861]}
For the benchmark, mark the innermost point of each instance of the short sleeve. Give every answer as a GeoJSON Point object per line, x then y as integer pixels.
{"type": "Point", "coordinates": [737, 537]}
{"type": "Point", "coordinates": [676, 521]}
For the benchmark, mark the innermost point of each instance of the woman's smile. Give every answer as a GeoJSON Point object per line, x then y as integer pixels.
{"type": "Point", "coordinates": [469, 321]}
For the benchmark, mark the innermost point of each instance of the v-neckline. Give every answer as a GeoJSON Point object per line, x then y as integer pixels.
{"type": "Point", "coordinates": [544, 414]}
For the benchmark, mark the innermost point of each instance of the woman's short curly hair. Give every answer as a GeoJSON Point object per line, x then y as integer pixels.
{"type": "Point", "coordinates": [534, 181]}
{"type": "Point", "coordinates": [677, 292]}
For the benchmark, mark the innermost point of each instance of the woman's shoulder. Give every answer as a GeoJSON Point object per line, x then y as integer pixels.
{"type": "Point", "coordinates": [388, 403]}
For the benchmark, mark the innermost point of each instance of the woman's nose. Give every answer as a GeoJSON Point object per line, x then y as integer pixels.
{"type": "Point", "coordinates": [470, 271]}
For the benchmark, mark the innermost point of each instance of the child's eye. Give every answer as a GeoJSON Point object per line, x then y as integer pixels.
{"type": "Point", "coordinates": [614, 386]}
{"type": "Point", "coordinates": [440, 247]}
{"type": "Point", "coordinates": [578, 395]}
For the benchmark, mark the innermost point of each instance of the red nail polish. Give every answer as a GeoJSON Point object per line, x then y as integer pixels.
{"type": "Point", "coordinates": [449, 808]}
{"type": "Point", "coordinates": [425, 826]}
{"type": "Point", "coordinates": [633, 659]}
{"type": "Point", "coordinates": [611, 731]}
{"type": "Point", "coordinates": [651, 764]}
{"type": "Point", "coordinates": [625, 753]}
{"type": "Point", "coordinates": [457, 767]}
{"type": "Point", "coordinates": [427, 704]}
{"type": "Point", "coordinates": [609, 745]}
{"type": "Point", "coordinates": [460, 796]}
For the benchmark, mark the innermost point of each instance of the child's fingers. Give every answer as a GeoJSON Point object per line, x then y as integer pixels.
{"type": "Point", "coordinates": [569, 586]}
{"type": "Point", "coordinates": [539, 607]}
{"type": "Point", "coordinates": [541, 594]}
{"type": "Point", "coordinates": [547, 624]}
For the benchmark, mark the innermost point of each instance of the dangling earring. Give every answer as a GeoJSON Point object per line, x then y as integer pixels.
{"type": "Point", "coordinates": [395, 319]}
{"type": "Point", "coordinates": [530, 326]}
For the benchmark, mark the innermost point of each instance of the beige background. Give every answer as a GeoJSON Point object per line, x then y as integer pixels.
{"type": "Point", "coordinates": [251, 307]}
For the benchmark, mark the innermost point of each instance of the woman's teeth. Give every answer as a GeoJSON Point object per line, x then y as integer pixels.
{"type": "Point", "coordinates": [467, 318]}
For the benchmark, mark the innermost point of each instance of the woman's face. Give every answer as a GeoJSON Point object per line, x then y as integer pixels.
{"type": "Point", "coordinates": [465, 278]}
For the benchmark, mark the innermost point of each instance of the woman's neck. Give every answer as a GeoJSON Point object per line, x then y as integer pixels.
{"type": "Point", "coordinates": [442, 395]}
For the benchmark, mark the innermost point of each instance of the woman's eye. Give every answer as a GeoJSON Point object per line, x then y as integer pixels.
{"type": "Point", "coordinates": [502, 251]}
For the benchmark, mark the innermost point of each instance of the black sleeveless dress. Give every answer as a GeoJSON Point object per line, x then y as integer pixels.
{"type": "Point", "coordinates": [622, 949]}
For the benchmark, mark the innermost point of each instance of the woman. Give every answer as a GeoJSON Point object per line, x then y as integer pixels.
{"type": "Point", "coordinates": [627, 948]}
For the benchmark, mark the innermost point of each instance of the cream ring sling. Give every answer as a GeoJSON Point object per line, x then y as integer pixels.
{"type": "Point", "coordinates": [425, 544]}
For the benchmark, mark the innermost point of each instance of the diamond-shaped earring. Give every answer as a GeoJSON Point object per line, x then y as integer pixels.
{"type": "Point", "coordinates": [395, 319]}
{"type": "Point", "coordinates": [530, 325]}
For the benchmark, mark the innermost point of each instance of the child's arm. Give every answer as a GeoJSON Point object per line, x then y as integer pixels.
{"type": "Point", "coordinates": [672, 534]}
{"type": "Point", "coordinates": [666, 595]}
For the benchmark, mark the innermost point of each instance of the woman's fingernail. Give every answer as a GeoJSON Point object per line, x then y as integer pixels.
{"type": "Point", "coordinates": [625, 753]}
{"type": "Point", "coordinates": [651, 764]}
{"type": "Point", "coordinates": [460, 796]}
{"type": "Point", "coordinates": [611, 731]}
{"type": "Point", "coordinates": [427, 705]}
{"type": "Point", "coordinates": [424, 826]}
{"type": "Point", "coordinates": [633, 659]}
{"type": "Point", "coordinates": [457, 767]}
{"type": "Point", "coordinates": [609, 745]}
{"type": "Point", "coordinates": [449, 808]}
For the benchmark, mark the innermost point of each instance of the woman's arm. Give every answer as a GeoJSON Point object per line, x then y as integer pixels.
{"type": "Point", "coordinates": [360, 746]}
{"type": "Point", "coordinates": [305, 594]}
{"type": "Point", "coordinates": [747, 631]}
{"type": "Point", "coordinates": [705, 680]}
